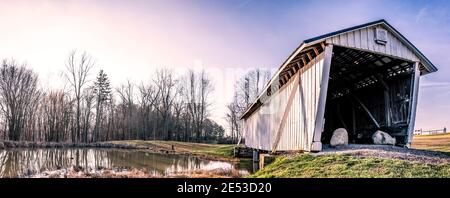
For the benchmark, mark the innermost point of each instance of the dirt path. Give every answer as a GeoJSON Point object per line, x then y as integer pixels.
{"type": "Point", "coordinates": [389, 152]}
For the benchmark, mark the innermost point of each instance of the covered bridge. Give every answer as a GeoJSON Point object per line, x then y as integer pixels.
{"type": "Point", "coordinates": [364, 78]}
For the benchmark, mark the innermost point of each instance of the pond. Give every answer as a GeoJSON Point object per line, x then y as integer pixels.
{"type": "Point", "coordinates": [26, 162]}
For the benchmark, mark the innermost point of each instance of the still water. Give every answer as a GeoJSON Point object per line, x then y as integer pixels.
{"type": "Point", "coordinates": [23, 162]}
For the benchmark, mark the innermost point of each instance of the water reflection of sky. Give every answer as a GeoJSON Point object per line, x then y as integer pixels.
{"type": "Point", "coordinates": [21, 162]}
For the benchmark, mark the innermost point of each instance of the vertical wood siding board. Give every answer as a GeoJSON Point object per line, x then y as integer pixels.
{"type": "Point", "coordinates": [370, 33]}
{"type": "Point", "coordinates": [343, 39]}
{"type": "Point", "coordinates": [305, 88]}
{"type": "Point", "coordinates": [292, 140]}
{"type": "Point", "coordinates": [401, 50]}
{"type": "Point", "coordinates": [316, 85]}
{"type": "Point", "coordinates": [250, 133]}
{"type": "Point", "coordinates": [307, 92]}
{"type": "Point", "coordinates": [358, 38]}
{"type": "Point", "coordinates": [368, 37]}
{"type": "Point", "coordinates": [363, 38]}
{"type": "Point", "coordinates": [393, 46]}
{"type": "Point", "coordinates": [410, 55]}
{"type": "Point", "coordinates": [398, 47]}
{"type": "Point", "coordinates": [308, 100]}
{"type": "Point", "coordinates": [299, 117]}
{"type": "Point", "coordinates": [309, 112]}
{"type": "Point", "coordinates": [405, 52]}
{"type": "Point", "coordinates": [296, 121]}
{"type": "Point", "coordinates": [289, 127]}
{"type": "Point", "coordinates": [350, 39]}
{"type": "Point", "coordinates": [304, 104]}
{"type": "Point", "coordinates": [300, 110]}
{"type": "Point", "coordinates": [335, 39]}
{"type": "Point", "coordinates": [388, 44]}
{"type": "Point", "coordinates": [269, 135]}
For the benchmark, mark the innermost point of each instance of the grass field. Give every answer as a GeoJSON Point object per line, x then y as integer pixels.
{"type": "Point", "coordinates": [347, 166]}
{"type": "Point", "coordinates": [439, 142]}
{"type": "Point", "coordinates": [221, 151]}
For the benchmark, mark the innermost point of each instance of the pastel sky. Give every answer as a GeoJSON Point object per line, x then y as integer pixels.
{"type": "Point", "coordinates": [129, 39]}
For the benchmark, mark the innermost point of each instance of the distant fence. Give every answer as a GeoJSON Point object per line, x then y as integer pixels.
{"type": "Point", "coordinates": [430, 132]}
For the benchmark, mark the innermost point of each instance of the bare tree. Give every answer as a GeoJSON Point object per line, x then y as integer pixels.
{"type": "Point", "coordinates": [248, 88]}
{"type": "Point", "coordinates": [19, 96]}
{"type": "Point", "coordinates": [77, 71]}
{"type": "Point", "coordinates": [55, 116]}
{"type": "Point", "coordinates": [148, 96]}
{"type": "Point", "coordinates": [233, 118]}
{"type": "Point", "coordinates": [88, 98]}
{"type": "Point", "coordinates": [126, 94]}
{"type": "Point", "coordinates": [197, 91]}
{"type": "Point", "coordinates": [165, 83]}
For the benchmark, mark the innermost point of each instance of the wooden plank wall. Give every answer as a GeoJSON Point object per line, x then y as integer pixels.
{"type": "Point", "coordinates": [261, 126]}
{"type": "Point", "coordinates": [364, 39]}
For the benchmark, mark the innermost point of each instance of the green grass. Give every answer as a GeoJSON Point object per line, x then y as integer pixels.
{"type": "Point", "coordinates": [218, 150]}
{"type": "Point", "coordinates": [346, 166]}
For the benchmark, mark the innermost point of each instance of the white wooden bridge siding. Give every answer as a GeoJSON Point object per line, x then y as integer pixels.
{"type": "Point", "coordinates": [261, 127]}
{"type": "Point", "coordinates": [364, 39]}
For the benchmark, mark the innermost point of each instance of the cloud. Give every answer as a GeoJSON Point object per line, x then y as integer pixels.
{"type": "Point", "coordinates": [421, 15]}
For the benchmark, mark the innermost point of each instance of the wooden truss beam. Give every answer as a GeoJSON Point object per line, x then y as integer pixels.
{"type": "Point", "coordinates": [375, 122]}
{"type": "Point", "coordinates": [287, 109]}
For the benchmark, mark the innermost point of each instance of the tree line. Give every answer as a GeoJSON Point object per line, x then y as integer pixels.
{"type": "Point", "coordinates": [247, 89]}
{"type": "Point", "coordinates": [167, 107]}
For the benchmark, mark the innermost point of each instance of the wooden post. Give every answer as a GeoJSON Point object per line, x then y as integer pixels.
{"type": "Point", "coordinates": [320, 120]}
{"type": "Point", "coordinates": [255, 155]}
{"type": "Point", "coordinates": [414, 97]}
{"type": "Point", "coordinates": [387, 108]}
{"type": "Point", "coordinates": [353, 117]}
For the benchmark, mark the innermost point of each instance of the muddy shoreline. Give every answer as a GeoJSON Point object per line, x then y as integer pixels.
{"type": "Point", "coordinates": [78, 172]}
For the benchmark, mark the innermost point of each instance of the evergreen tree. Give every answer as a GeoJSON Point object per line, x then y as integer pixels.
{"type": "Point", "coordinates": [102, 90]}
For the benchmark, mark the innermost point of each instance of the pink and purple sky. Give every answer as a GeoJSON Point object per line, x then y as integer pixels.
{"type": "Point", "coordinates": [130, 39]}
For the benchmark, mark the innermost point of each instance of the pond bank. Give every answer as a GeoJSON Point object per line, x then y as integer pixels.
{"type": "Point", "coordinates": [221, 152]}
{"type": "Point", "coordinates": [78, 172]}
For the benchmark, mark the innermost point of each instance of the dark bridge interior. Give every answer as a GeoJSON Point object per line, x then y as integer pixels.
{"type": "Point", "coordinates": [366, 92]}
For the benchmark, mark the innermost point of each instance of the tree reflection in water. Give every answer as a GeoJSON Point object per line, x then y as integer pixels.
{"type": "Point", "coordinates": [20, 162]}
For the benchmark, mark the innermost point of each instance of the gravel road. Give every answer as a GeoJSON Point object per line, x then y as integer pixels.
{"type": "Point", "coordinates": [386, 151]}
